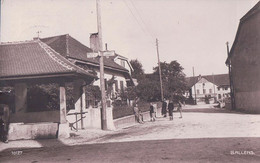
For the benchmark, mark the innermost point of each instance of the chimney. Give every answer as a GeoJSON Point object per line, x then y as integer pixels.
{"type": "Point", "coordinates": [94, 43]}
{"type": "Point", "coordinates": [106, 46]}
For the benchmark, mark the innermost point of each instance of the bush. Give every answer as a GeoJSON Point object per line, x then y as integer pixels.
{"type": "Point", "coordinates": [122, 111]}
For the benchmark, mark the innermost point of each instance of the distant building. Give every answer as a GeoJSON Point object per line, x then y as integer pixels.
{"type": "Point", "coordinates": [211, 86]}
{"type": "Point", "coordinates": [244, 62]}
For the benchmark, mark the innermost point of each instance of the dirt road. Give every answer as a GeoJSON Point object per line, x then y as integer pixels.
{"type": "Point", "coordinates": [201, 136]}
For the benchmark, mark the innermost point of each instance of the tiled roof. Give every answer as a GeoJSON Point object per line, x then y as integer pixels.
{"type": "Point", "coordinates": [34, 58]}
{"type": "Point", "coordinates": [219, 80]}
{"type": "Point", "coordinates": [67, 46]}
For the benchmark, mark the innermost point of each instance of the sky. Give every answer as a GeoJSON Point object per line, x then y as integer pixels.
{"type": "Point", "coordinates": [193, 32]}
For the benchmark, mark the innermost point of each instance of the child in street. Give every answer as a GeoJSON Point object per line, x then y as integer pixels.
{"type": "Point", "coordinates": [152, 116]}
{"type": "Point", "coordinates": [170, 109]}
{"type": "Point", "coordinates": [179, 108]}
{"type": "Point", "coordinates": [138, 114]}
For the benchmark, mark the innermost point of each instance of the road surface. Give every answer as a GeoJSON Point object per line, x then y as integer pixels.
{"type": "Point", "coordinates": [202, 135]}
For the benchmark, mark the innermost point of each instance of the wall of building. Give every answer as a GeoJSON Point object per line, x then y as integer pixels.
{"type": "Point", "coordinates": [118, 77]}
{"type": "Point", "coordinates": [245, 65]}
{"type": "Point", "coordinates": [123, 63]}
{"type": "Point", "coordinates": [209, 89]}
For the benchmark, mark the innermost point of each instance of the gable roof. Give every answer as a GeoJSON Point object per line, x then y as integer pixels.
{"type": "Point", "coordinates": [69, 47]}
{"type": "Point", "coordinates": [219, 80]}
{"type": "Point", "coordinates": [32, 59]}
{"type": "Point", "coordinates": [253, 11]}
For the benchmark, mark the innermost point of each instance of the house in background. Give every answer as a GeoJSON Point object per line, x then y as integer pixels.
{"type": "Point", "coordinates": [244, 62]}
{"type": "Point", "coordinates": [208, 86]}
{"type": "Point", "coordinates": [115, 65]}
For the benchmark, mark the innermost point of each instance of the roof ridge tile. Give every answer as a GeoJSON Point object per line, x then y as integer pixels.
{"type": "Point", "coordinates": [18, 42]}
{"type": "Point", "coordinates": [50, 52]}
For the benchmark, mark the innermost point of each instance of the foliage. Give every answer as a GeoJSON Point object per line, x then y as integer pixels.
{"type": "Point", "coordinates": [148, 90]}
{"type": "Point", "coordinates": [173, 80]}
{"type": "Point", "coordinates": [43, 97]}
{"type": "Point", "coordinates": [131, 93]}
{"type": "Point", "coordinates": [122, 111]}
{"type": "Point", "coordinates": [93, 95]}
{"type": "Point", "coordinates": [110, 83]}
{"type": "Point", "coordinates": [138, 72]}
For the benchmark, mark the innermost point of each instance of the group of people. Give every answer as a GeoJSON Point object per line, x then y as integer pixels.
{"type": "Point", "coordinates": [172, 104]}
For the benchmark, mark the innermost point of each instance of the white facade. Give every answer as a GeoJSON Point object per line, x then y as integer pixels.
{"type": "Point", "coordinates": [119, 78]}
{"type": "Point", "coordinates": [206, 88]}
{"type": "Point", "coordinates": [122, 61]}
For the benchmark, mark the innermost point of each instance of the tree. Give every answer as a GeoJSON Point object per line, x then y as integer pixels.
{"type": "Point", "coordinates": [148, 90]}
{"type": "Point", "coordinates": [138, 72]}
{"type": "Point", "coordinates": [173, 78]}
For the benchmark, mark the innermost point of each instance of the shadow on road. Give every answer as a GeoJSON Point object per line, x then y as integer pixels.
{"type": "Point", "coordinates": [171, 150]}
{"type": "Point", "coordinates": [210, 110]}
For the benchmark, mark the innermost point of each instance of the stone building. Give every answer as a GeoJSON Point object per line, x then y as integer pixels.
{"type": "Point", "coordinates": [244, 62]}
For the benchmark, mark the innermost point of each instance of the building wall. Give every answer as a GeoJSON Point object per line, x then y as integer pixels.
{"type": "Point", "coordinates": [209, 89]}
{"type": "Point", "coordinates": [123, 63]}
{"type": "Point", "coordinates": [245, 65]}
{"type": "Point", "coordinates": [118, 77]}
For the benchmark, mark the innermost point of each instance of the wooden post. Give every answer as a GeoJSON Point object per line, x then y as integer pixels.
{"type": "Point", "coordinates": [20, 97]}
{"type": "Point", "coordinates": [63, 113]}
{"type": "Point", "coordinates": [195, 102]}
{"type": "Point", "coordinates": [64, 125]}
{"type": "Point", "coordinates": [232, 94]}
{"type": "Point", "coordinates": [101, 62]}
{"type": "Point", "coordinates": [160, 72]}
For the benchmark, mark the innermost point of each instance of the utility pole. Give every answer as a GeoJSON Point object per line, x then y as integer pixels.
{"type": "Point", "coordinates": [230, 80]}
{"type": "Point", "coordinates": [101, 62]}
{"type": "Point", "coordinates": [159, 65]}
{"type": "Point", "coordinates": [195, 102]}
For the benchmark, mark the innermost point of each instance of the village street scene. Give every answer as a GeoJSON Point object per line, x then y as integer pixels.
{"type": "Point", "coordinates": [129, 81]}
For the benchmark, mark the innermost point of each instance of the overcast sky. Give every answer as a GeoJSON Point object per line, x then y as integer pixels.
{"type": "Point", "coordinates": [193, 32]}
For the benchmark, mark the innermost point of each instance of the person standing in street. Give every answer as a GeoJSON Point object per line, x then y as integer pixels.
{"type": "Point", "coordinates": [179, 108]}
{"type": "Point", "coordinates": [177, 103]}
{"type": "Point", "coordinates": [152, 116]}
{"type": "Point", "coordinates": [4, 122]}
{"type": "Point", "coordinates": [170, 109]}
{"type": "Point", "coordinates": [164, 107]}
{"type": "Point", "coordinates": [138, 114]}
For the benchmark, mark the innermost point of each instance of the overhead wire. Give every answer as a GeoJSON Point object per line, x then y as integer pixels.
{"type": "Point", "coordinates": [138, 13]}
{"type": "Point", "coordinates": [141, 26]}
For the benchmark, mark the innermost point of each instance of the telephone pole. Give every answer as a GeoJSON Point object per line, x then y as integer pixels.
{"type": "Point", "coordinates": [101, 62]}
{"type": "Point", "coordinates": [195, 102]}
{"type": "Point", "coordinates": [159, 65]}
{"type": "Point", "coordinates": [230, 79]}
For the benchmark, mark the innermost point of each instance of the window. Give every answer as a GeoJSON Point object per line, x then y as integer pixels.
{"type": "Point", "coordinates": [210, 90]}
{"type": "Point", "coordinates": [123, 63]}
{"type": "Point", "coordinates": [122, 85]}
{"type": "Point", "coordinates": [218, 88]}
{"type": "Point", "coordinates": [204, 91]}
{"type": "Point", "coordinates": [116, 85]}
{"type": "Point", "coordinates": [226, 88]}
{"type": "Point", "coordinates": [219, 96]}
{"type": "Point", "coordinates": [105, 84]}
{"type": "Point", "coordinates": [198, 91]}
